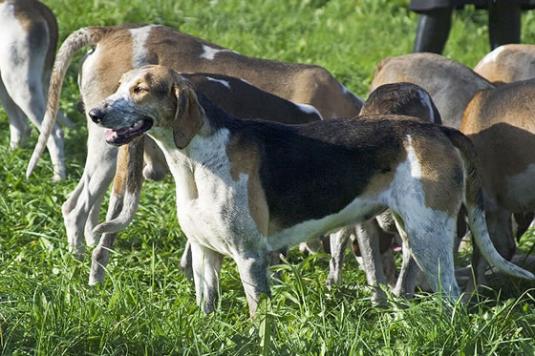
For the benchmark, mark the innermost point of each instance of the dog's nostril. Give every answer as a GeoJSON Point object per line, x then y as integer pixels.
{"type": "Point", "coordinates": [96, 115]}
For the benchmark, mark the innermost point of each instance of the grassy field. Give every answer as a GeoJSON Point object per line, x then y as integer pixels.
{"type": "Point", "coordinates": [146, 306]}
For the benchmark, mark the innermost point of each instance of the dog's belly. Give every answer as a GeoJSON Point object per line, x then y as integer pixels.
{"type": "Point", "coordinates": [358, 210]}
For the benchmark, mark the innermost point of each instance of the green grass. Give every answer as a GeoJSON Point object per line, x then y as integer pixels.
{"type": "Point", "coordinates": [146, 305]}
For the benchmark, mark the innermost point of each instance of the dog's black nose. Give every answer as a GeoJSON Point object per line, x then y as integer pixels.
{"type": "Point", "coordinates": [96, 115]}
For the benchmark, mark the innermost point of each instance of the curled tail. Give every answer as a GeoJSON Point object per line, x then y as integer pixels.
{"type": "Point", "coordinates": [73, 43]}
{"type": "Point", "coordinates": [473, 200]}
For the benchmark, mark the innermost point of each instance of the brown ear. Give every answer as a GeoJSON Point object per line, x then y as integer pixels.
{"type": "Point", "coordinates": [188, 115]}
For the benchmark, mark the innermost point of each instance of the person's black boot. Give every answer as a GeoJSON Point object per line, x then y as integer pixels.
{"type": "Point", "coordinates": [433, 30]}
{"type": "Point", "coordinates": [504, 23]}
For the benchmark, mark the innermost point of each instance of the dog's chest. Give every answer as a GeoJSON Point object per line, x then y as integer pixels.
{"type": "Point", "coordinates": [212, 207]}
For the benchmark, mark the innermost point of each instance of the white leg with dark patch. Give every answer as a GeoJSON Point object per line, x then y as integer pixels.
{"type": "Point", "coordinates": [206, 267]}
{"type": "Point", "coordinates": [253, 273]}
{"type": "Point", "coordinates": [338, 242]}
{"type": "Point", "coordinates": [368, 240]}
{"type": "Point", "coordinates": [22, 80]}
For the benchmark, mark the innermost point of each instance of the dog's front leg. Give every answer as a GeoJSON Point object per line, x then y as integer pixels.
{"type": "Point", "coordinates": [368, 241]}
{"type": "Point", "coordinates": [206, 265]}
{"type": "Point", "coordinates": [253, 273]}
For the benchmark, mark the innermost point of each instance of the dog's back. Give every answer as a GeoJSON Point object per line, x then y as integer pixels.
{"type": "Point", "coordinates": [508, 63]}
{"type": "Point", "coordinates": [450, 84]}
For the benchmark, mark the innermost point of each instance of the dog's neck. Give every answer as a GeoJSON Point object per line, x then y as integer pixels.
{"type": "Point", "coordinates": [207, 147]}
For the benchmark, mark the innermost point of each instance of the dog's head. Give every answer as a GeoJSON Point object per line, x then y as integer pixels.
{"type": "Point", "coordinates": [146, 97]}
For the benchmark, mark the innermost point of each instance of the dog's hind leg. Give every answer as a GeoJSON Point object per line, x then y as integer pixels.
{"type": "Point", "coordinates": [368, 241]}
{"type": "Point", "coordinates": [206, 268]}
{"type": "Point", "coordinates": [23, 83]}
{"type": "Point", "coordinates": [430, 238]}
{"type": "Point", "coordinates": [406, 282]}
{"type": "Point", "coordinates": [18, 126]}
{"type": "Point", "coordinates": [338, 241]}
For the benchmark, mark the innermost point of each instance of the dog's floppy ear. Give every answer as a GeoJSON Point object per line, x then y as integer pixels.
{"type": "Point", "coordinates": [188, 116]}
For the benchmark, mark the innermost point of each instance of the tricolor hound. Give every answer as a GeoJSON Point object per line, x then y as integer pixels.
{"type": "Point", "coordinates": [248, 187]}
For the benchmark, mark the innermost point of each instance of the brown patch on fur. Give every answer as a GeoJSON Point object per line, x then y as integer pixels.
{"type": "Point", "coordinates": [500, 124]}
{"type": "Point", "coordinates": [189, 114]}
{"type": "Point", "coordinates": [244, 159]}
{"type": "Point", "coordinates": [109, 67]}
{"type": "Point", "coordinates": [121, 171]}
{"type": "Point", "coordinates": [450, 84]}
{"type": "Point", "coordinates": [300, 83]}
{"type": "Point", "coordinates": [442, 173]}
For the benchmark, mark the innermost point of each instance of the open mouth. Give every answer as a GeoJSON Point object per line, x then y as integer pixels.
{"type": "Point", "coordinates": [124, 135]}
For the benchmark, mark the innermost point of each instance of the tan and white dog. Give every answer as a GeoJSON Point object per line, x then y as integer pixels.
{"type": "Point", "coordinates": [248, 187]}
{"type": "Point", "coordinates": [508, 63]}
{"type": "Point", "coordinates": [28, 39]}
{"type": "Point", "coordinates": [451, 84]}
{"type": "Point", "coordinates": [118, 50]}
{"type": "Point", "coordinates": [500, 123]}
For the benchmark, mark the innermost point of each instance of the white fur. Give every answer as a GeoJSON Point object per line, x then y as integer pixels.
{"type": "Point", "coordinates": [309, 109]}
{"type": "Point", "coordinates": [210, 52]}
{"type": "Point", "coordinates": [492, 56]}
{"type": "Point", "coordinates": [208, 170]}
{"type": "Point", "coordinates": [414, 164]}
{"type": "Point", "coordinates": [212, 210]}
{"type": "Point", "coordinates": [220, 81]}
{"type": "Point", "coordinates": [139, 51]}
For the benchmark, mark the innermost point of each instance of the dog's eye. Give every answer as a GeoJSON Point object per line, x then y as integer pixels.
{"type": "Point", "coordinates": [138, 90]}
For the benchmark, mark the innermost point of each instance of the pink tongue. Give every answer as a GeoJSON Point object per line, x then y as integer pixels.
{"type": "Point", "coordinates": [110, 134]}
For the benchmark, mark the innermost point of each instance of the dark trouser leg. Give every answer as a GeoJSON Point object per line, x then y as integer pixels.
{"type": "Point", "coordinates": [504, 23]}
{"type": "Point", "coordinates": [433, 30]}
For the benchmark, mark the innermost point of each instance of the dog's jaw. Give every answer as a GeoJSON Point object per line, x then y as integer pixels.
{"type": "Point", "coordinates": [124, 135]}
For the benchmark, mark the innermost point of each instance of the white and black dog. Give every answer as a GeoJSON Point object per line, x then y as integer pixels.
{"type": "Point", "coordinates": [248, 187]}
